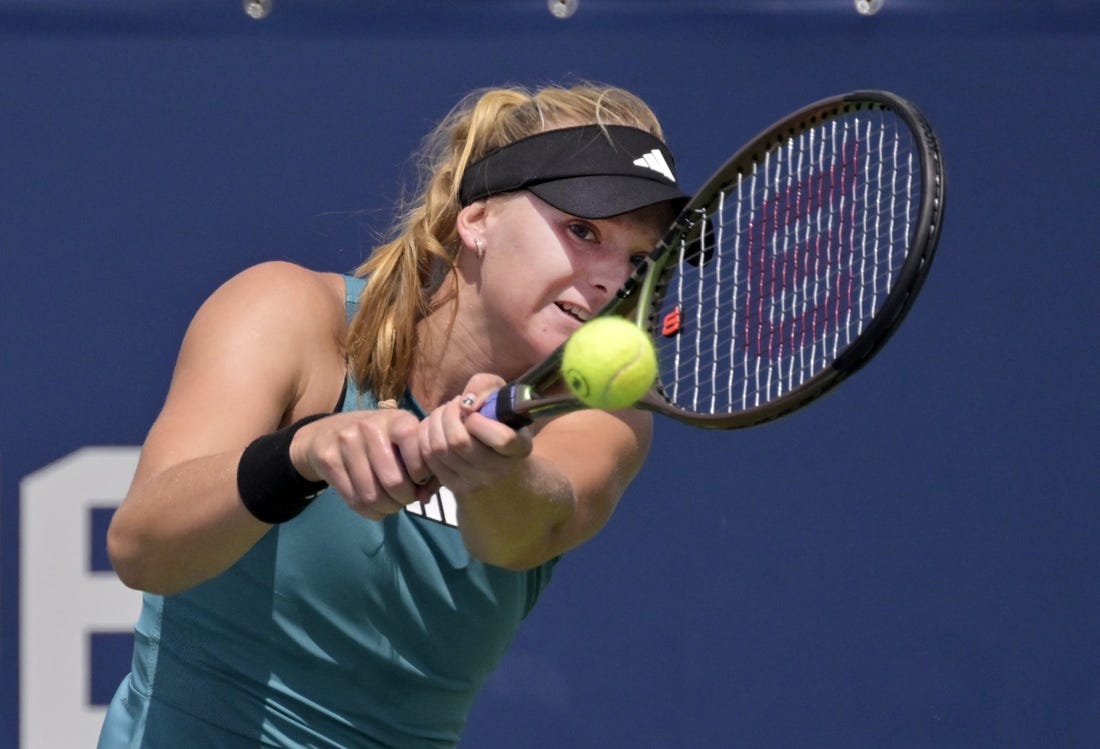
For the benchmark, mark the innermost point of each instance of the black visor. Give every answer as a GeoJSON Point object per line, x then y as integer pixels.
{"type": "Point", "coordinates": [590, 171]}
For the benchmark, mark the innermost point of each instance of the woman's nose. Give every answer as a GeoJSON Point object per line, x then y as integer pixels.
{"type": "Point", "coordinates": [609, 270]}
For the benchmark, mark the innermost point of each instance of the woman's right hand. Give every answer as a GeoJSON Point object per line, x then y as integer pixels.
{"type": "Point", "coordinates": [371, 458]}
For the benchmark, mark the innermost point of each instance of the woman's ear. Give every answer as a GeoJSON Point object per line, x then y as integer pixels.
{"type": "Point", "coordinates": [471, 223]}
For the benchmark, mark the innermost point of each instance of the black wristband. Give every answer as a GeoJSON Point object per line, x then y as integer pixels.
{"type": "Point", "coordinates": [270, 486]}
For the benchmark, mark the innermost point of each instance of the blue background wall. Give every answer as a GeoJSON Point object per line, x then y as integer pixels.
{"type": "Point", "coordinates": [911, 562]}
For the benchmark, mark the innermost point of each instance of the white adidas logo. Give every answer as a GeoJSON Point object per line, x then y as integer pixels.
{"type": "Point", "coordinates": [655, 160]}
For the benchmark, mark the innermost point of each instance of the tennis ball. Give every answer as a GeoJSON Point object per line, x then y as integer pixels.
{"type": "Point", "coordinates": [609, 363]}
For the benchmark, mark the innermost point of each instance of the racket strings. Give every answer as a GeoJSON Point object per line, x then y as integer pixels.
{"type": "Point", "coordinates": [801, 251]}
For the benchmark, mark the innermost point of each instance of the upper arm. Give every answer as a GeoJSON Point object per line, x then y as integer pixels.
{"type": "Point", "coordinates": [599, 453]}
{"type": "Point", "coordinates": [248, 361]}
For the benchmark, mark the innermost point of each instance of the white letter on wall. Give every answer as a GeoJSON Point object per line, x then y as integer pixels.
{"type": "Point", "coordinates": [61, 600]}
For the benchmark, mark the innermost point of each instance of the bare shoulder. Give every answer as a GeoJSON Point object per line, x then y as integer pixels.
{"type": "Point", "coordinates": [281, 284]}
{"type": "Point", "coordinates": [273, 296]}
{"type": "Point", "coordinates": [274, 329]}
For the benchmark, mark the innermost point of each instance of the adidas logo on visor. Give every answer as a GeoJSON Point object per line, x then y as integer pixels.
{"type": "Point", "coordinates": [655, 160]}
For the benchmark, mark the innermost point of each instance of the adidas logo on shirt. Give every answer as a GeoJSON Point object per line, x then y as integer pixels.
{"type": "Point", "coordinates": [655, 160]}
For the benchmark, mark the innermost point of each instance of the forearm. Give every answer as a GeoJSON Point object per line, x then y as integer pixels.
{"type": "Point", "coordinates": [518, 522]}
{"type": "Point", "coordinates": [182, 526]}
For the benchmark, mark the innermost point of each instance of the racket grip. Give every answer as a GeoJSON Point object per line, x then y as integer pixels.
{"type": "Point", "coordinates": [499, 407]}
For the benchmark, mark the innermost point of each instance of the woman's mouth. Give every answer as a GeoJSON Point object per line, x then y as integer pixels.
{"type": "Point", "coordinates": [575, 312]}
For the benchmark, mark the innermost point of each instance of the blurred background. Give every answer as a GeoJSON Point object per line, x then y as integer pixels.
{"type": "Point", "coordinates": [909, 563]}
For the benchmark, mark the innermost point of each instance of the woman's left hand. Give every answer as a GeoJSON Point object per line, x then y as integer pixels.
{"type": "Point", "coordinates": [467, 451]}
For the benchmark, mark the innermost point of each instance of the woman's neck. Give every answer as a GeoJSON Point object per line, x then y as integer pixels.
{"type": "Point", "coordinates": [448, 354]}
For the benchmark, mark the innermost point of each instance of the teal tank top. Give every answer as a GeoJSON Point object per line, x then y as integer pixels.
{"type": "Point", "coordinates": [332, 631]}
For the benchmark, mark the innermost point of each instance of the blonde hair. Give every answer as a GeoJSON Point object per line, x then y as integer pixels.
{"type": "Point", "coordinates": [401, 274]}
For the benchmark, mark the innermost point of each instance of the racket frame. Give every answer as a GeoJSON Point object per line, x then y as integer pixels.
{"type": "Point", "coordinates": [539, 393]}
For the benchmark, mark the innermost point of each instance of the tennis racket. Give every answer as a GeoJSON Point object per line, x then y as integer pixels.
{"type": "Point", "coordinates": [785, 274]}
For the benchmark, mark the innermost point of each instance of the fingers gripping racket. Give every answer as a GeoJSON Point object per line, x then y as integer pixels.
{"type": "Point", "coordinates": [786, 272]}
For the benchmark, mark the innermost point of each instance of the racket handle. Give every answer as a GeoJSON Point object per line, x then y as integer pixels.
{"type": "Point", "coordinates": [499, 407]}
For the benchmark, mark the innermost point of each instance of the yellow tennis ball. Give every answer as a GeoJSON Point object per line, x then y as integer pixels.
{"type": "Point", "coordinates": [609, 363]}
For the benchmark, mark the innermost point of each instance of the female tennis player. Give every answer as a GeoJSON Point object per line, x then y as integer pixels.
{"type": "Point", "coordinates": [335, 548]}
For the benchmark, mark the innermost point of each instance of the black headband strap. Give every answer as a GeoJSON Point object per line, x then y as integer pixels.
{"type": "Point", "coordinates": [566, 153]}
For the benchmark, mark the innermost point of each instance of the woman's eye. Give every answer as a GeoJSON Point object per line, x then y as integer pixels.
{"type": "Point", "coordinates": [584, 231]}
